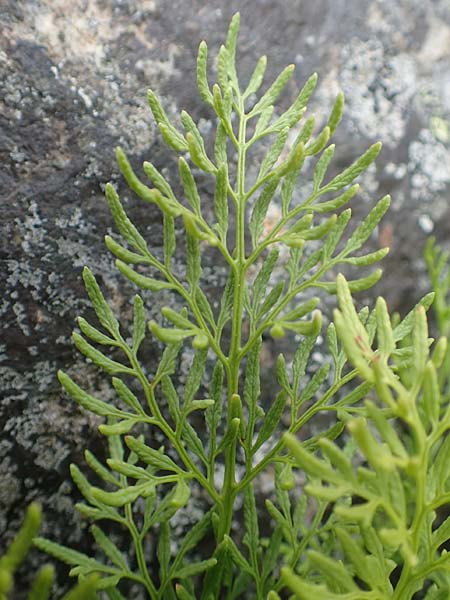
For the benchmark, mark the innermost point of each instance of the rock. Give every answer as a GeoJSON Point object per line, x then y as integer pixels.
{"type": "Point", "coordinates": [73, 77]}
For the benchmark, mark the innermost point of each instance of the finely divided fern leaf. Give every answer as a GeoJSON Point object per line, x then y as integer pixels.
{"type": "Point", "coordinates": [274, 249]}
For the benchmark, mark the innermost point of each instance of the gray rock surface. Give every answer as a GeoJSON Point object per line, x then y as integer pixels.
{"type": "Point", "coordinates": [73, 76]}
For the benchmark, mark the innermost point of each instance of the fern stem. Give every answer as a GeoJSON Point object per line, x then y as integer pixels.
{"type": "Point", "coordinates": [137, 541]}
{"type": "Point", "coordinates": [228, 492]}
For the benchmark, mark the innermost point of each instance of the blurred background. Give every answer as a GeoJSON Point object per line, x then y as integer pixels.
{"type": "Point", "coordinates": [73, 80]}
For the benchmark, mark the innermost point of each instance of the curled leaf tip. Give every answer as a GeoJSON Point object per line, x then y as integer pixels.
{"type": "Point", "coordinates": [277, 331]}
{"type": "Point", "coordinates": [120, 154]}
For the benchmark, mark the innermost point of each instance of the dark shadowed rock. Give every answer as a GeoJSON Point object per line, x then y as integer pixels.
{"type": "Point", "coordinates": [73, 77]}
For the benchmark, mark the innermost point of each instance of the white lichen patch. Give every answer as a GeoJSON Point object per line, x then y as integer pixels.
{"type": "Point", "coordinates": [78, 29]}
{"type": "Point", "coordinates": [378, 89]}
{"type": "Point", "coordinates": [425, 223]}
{"type": "Point", "coordinates": [429, 166]}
